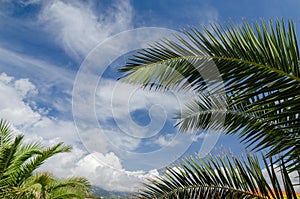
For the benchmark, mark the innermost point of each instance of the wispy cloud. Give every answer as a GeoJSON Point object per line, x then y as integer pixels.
{"type": "Point", "coordinates": [78, 28]}
{"type": "Point", "coordinates": [24, 65]}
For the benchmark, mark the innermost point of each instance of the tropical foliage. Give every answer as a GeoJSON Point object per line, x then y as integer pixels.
{"type": "Point", "coordinates": [45, 185]}
{"type": "Point", "coordinates": [249, 75]}
{"type": "Point", "coordinates": [19, 160]}
{"type": "Point", "coordinates": [221, 177]}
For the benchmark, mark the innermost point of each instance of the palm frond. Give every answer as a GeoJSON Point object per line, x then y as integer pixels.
{"type": "Point", "coordinates": [7, 157]}
{"type": "Point", "coordinates": [45, 185]}
{"type": "Point", "coordinates": [18, 161]}
{"type": "Point", "coordinates": [29, 166]}
{"type": "Point", "coordinates": [221, 177]}
{"type": "Point", "coordinates": [209, 112]}
{"type": "Point", "coordinates": [5, 132]}
{"type": "Point", "coordinates": [70, 188]}
{"type": "Point", "coordinates": [77, 182]}
{"type": "Point", "coordinates": [255, 66]}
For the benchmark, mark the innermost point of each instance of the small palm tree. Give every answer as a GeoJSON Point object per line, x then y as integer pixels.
{"type": "Point", "coordinates": [18, 161]}
{"type": "Point", "coordinates": [46, 186]}
{"type": "Point", "coordinates": [259, 95]}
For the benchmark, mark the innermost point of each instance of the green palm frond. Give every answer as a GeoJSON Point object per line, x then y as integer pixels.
{"type": "Point", "coordinates": [78, 182]}
{"type": "Point", "coordinates": [5, 132]}
{"type": "Point", "coordinates": [207, 112]}
{"type": "Point", "coordinates": [233, 50]}
{"type": "Point", "coordinates": [18, 161]}
{"type": "Point", "coordinates": [45, 185]}
{"type": "Point", "coordinates": [222, 177]}
{"type": "Point", "coordinates": [255, 66]}
{"type": "Point", "coordinates": [69, 193]}
{"type": "Point", "coordinates": [37, 160]}
{"type": "Point", "coordinates": [7, 153]}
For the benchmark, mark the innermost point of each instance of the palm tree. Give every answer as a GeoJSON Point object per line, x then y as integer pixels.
{"type": "Point", "coordinates": [46, 186]}
{"type": "Point", "coordinates": [258, 97]}
{"type": "Point", "coordinates": [18, 161]}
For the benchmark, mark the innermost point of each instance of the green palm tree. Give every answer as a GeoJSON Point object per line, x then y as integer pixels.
{"type": "Point", "coordinates": [46, 186]}
{"type": "Point", "coordinates": [18, 161]}
{"type": "Point", "coordinates": [258, 97]}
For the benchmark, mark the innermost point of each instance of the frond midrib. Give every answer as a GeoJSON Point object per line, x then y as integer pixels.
{"type": "Point", "coordinates": [182, 58]}
{"type": "Point", "coordinates": [247, 193]}
{"type": "Point", "coordinates": [233, 112]}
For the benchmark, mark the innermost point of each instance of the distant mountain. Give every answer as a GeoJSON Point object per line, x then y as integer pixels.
{"type": "Point", "coordinates": [101, 193]}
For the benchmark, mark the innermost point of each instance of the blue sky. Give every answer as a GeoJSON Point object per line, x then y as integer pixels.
{"type": "Point", "coordinates": [58, 62]}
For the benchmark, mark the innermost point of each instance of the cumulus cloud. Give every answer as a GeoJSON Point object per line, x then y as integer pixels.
{"type": "Point", "coordinates": [78, 28]}
{"type": "Point", "coordinates": [102, 169]}
{"type": "Point", "coordinates": [12, 106]}
{"type": "Point", "coordinates": [24, 86]}
{"type": "Point", "coordinates": [106, 171]}
{"type": "Point", "coordinates": [18, 107]}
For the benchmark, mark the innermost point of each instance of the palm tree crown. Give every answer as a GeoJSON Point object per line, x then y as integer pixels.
{"type": "Point", "coordinates": [18, 161]}
{"type": "Point", "coordinates": [259, 67]}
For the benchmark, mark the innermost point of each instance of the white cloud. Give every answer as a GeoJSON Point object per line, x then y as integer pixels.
{"type": "Point", "coordinates": [23, 113]}
{"type": "Point", "coordinates": [24, 86]}
{"type": "Point", "coordinates": [103, 170]}
{"type": "Point", "coordinates": [79, 28]}
{"type": "Point", "coordinates": [166, 140]}
{"type": "Point", "coordinates": [107, 172]}
{"type": "Point", "coordinates": [12, 106]}
{"type": "Point", "coordinates": [5, 78]}
{"type": "Point", "coordinates": [115, 100]}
